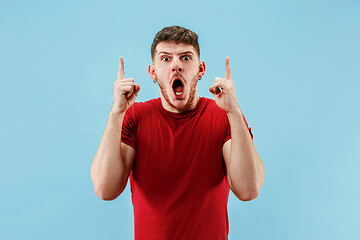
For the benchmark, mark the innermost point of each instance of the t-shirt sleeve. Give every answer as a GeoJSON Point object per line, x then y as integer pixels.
{"type": "Point", "coordinates": [128, 128]}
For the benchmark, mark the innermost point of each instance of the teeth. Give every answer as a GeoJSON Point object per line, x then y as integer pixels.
{"type": "Point", "coordinates": [178, 93]}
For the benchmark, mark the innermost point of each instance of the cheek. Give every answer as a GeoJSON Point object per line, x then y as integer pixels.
{"type": "Point", "coordinates": [163, 72]}
{"type": "Point", "coordinates": [159, 73]}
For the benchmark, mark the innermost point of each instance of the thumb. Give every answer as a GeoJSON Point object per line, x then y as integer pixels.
{"type": "Point", "coordinates": [136, 88]}
{"type": "Point", "coordinates": [216, 91]}
{"type": "Point", "coordinates": [132, 97]}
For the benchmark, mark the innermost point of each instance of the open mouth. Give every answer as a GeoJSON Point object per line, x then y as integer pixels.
{"type": "Point", "coordinates": [178, 88]}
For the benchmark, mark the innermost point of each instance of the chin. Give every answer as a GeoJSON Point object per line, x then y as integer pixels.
{"type": "Point", "coordinates": [184, 104]}
{"type": "Point", "coordinates": [180, 104]}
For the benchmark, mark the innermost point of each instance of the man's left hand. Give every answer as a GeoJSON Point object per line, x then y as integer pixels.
{"type": "Point", "coordinates": [223, 91]}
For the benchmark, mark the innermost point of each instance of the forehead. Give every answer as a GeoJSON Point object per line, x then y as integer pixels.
{"type": "Point", "coordinates": [174, 48]}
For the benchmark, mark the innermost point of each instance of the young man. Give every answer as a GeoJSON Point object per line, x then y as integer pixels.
{"type": "Point", "coordinates": [182, 152]}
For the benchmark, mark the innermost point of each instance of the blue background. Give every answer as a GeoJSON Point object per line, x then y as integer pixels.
{"type": "Point", "coordinates": [296, 69]}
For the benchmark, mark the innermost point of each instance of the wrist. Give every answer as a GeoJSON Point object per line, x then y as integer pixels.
{"type": "Point", "coordinates": [115, 120]}
{"type": "Point", "coordinates": [116, 111]}
{"type": "Point", "coordinates": [234, 113]}
{"type": "Point", "coordinates": [116, 114]}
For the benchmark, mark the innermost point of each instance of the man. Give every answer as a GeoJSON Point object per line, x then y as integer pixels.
{"type": "Point", "coordinates": [183, 153]}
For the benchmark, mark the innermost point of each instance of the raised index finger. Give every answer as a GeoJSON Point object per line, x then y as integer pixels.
{"type": "Point", "coordinates": [121, 69]}
{"type": "Point", "coordinates": [227, 68]}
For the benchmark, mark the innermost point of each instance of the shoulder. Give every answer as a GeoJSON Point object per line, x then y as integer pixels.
{"type": "Point", "coordinates": [140, 112]}
{"type": "Point", "coordinates": [143, 107]}
{"type": "Point", "coordinates": [210, 105]}
{"type": "Point", "coordinates": [212, 112]}
{"type": "Point", "coordinates": [147, 104]}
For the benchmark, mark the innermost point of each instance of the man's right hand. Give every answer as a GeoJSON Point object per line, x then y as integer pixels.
{"type": "Point", "coordinates": [125, 90]}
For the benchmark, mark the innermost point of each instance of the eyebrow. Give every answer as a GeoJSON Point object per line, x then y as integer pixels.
{"type": "Point", "coordinates": [187, 52]}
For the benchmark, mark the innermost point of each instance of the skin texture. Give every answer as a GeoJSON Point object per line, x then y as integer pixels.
{"type": "Point", "coordinates": [113, 160]}
{"type": "Point", "coordinates": [173, 60]}
{"type": "Point", "coordinates": [246, 172]}
{"type": "Point", "coordinates": [112, 163]}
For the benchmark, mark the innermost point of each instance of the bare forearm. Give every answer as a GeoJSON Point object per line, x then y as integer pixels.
{"type": "Point", "coordinates": [246, 170]}
{"type": "Point", "coordinates": [107, 170]}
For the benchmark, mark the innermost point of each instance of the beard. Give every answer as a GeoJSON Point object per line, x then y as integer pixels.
{"type": "Point", "coordinates": [191, 98]}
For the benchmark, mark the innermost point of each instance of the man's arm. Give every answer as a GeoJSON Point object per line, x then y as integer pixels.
{"type": "Point", "coordinates": [246, 173]}
{"type": "Point", "coordinates": [112, 163]}
{"type": "Point", "coordinates": [245, 169]}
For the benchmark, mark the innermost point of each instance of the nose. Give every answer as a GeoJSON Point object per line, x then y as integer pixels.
{"type": "Point", "coordinates": [176, 66]}
{"type": "Point", "coordinates": [177, 69]}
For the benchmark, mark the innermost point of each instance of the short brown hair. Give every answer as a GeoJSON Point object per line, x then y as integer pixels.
{"type": "Point", "coordinates": [176, 34]}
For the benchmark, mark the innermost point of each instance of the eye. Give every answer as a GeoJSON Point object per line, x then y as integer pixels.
{"type": "Point", "coordinates": [165, 58]}
{"type": "Point", "coordinates": [186, 58]}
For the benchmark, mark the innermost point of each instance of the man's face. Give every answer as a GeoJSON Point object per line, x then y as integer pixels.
{"type": "Point", "coordinates": [176, 68]}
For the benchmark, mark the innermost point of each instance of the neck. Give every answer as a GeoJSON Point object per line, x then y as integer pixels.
{"type": "Point", "coordinates": [190, 105]}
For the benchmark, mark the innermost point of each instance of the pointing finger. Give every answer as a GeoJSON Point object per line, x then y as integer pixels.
{"type": "Point", "coordinates": [227, 68]}
{"type": "Point", "coordinates": [121, 69]}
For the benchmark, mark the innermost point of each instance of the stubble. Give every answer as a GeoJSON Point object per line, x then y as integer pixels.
{"type": "Point", "coordinates": [191, 99]}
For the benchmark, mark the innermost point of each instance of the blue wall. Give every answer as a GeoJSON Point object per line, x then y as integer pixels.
{"type": "Point", "coordinates": [296, 69]}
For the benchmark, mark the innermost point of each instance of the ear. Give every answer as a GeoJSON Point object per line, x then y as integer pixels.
{"type": "Point", "coordinates": [202, 68]}
{"type": "Point", "coordinates": [151, 71]}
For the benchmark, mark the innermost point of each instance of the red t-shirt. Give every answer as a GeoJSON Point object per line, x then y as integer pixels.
{"type": "Point", "coordinates": [178, 178]}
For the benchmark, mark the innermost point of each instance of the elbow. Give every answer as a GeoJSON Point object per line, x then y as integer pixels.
{"type": "Point", "coordinates": [245, 193]}
{"type": "Point", "coordinates": [106, 195]}
{"type": "Point", "coordinates": [248, 195]}
{"type": "Point", "coordinates": [107, 191]}
{"type": "Point", "coordinates": [251, 195]}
